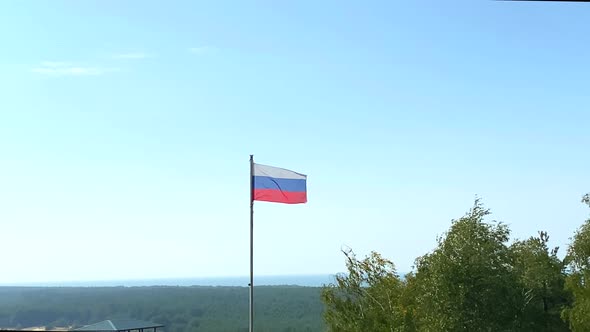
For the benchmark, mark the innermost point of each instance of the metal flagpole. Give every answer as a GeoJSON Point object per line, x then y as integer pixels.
{"type": "Point", "coordinates": [251, 326]}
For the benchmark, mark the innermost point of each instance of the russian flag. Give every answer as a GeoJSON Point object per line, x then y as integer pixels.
{"type": "Point", "coordinates": [279, 185]}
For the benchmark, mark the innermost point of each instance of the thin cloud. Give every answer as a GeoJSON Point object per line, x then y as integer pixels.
{"type": "Point", "coordinates": [53, 64]}
{"type": "Point", "coordinates": [201, 50]}
{"type": "Point", "coordinates": [65, 69]}
{"type": "Point", "coordinates": [133, 56]}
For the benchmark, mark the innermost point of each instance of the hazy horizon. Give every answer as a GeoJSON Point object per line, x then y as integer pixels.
{"type": "Point", "coordinates": [263, 280]}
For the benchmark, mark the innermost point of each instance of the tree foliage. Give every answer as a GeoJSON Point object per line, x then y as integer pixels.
{"type": "Point", "coordinates": [474, 280]}
{"type": "Point", "coordinates": [467, 283]}
{"type": "Point", "coordinates": [365, 299]}
{"type": "Point", "coordinates": [541, 278]}
{"type": "Point", "coordinates": [578, 263]}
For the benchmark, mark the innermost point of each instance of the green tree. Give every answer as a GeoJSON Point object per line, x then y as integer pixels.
{"type": "Point", "coordinates": [467, 282]}
{"type": "Point", "coordinates": [541, 277]}
{"type": "Point", "coordinates": [578, 264]}
{"type": "Point", "coordinates": [367, 298]}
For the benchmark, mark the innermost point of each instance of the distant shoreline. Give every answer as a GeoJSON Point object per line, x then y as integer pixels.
{"type": "Point", "coordinates": [279, 280]}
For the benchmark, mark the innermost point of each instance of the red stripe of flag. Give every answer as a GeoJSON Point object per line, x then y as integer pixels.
{"type": "Point", "coordinates": [277, 196]}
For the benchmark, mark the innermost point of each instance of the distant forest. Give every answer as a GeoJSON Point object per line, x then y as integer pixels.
{"type": "Point", "coordinates": [277, 308]}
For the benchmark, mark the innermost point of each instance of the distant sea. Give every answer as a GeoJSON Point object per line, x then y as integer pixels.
{"type": "Point", "coordinates": [295, 280]}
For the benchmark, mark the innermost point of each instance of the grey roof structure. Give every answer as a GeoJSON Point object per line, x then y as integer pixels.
{"type": "Point", "coordinates": [119, 325]}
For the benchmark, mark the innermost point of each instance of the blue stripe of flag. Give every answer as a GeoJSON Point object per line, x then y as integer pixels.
{"type": "Point", "coordinates": [292, 185]}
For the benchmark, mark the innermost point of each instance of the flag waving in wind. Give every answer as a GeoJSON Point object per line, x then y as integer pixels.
{"type": "Point", "coordinates": [279, 185]}
{"type": "Point", "coordinates": [271, 184]}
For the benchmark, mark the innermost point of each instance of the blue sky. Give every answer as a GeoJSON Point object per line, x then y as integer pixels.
{"type": "Point", "coordinates": [126, 127]}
